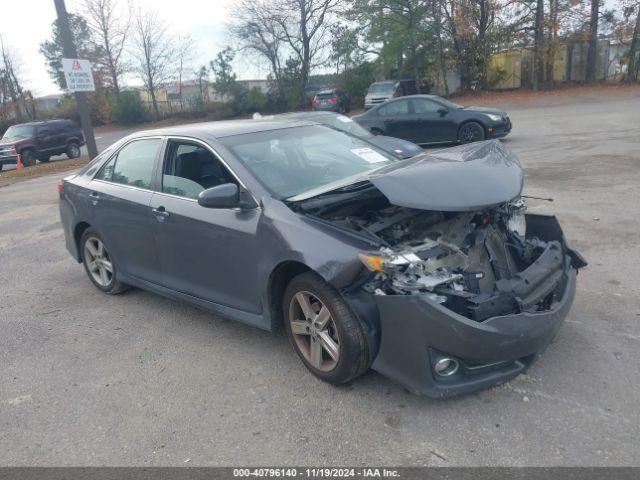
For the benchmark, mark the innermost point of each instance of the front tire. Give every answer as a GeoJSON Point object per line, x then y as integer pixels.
{"type": "Point", "coordinates": [46, 159]}
{"type": "Point", "coordinates": [325, 334]}
{"type": "Point", "coordinates": [98, 264]}
{"type": "Point", "coordinates": [28, 158]}
{"type": "Point", "coordinates": [471, 132]}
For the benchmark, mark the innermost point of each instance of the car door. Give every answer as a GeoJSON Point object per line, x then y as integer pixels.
{"type": "Point", "coordinates": [432, 121]}
{"type": "Point", "coordinates": [207, 253]}
{"type": "Point", "coordinates": [396, 119]}
{"type": "Point", "coordinates": [45, 138]}
{"type": "Point", "coordinates": [118, 198]}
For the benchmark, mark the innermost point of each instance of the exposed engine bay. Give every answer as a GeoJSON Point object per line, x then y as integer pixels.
{"type": "Point", "coordinates": [479, 264]}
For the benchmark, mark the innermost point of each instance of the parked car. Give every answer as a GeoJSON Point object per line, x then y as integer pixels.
{"type": "Point", "coordinates": [40, 141]}
{"type": "Point", "coordinates": [417, 268]}
{"type": "Point", "coordinates": [395, 146]}
{"type": "Point", "coordinates": [426, 119]}
{"type": "Point", "coordinates": [380, 92]}
{"type": "Point", "coordinates": [332, 100]}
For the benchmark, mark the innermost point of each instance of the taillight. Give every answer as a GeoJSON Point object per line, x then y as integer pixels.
{"type": "Point", "coordinates": [315, 100]}
{"type": "Point", "coordinates": [59, 187]}
{"type": "Point", "coordinates": [333, 100]}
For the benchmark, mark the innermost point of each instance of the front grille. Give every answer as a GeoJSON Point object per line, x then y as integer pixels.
{"type": "Point", "coordinates": [7, 153]}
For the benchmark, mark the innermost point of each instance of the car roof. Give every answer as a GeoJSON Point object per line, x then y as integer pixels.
{"type": "Point", "coordinates": [419, 95]}
{"type": "Point", "coordinates": [327, 90]}
{"type": "Point", "coordinates": [42, 122]}
{"type": "Point", "coordinates": [225, 128]}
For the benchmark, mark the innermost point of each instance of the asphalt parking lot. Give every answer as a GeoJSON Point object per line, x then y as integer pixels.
{"type": "Point", "coordinates": [89, 379]}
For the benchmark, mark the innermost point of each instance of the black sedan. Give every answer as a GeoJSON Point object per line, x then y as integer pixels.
{"type": "Point", "coordinates": [419, 269]}
{"type": "Point", "coordinates": [426, 119]}
{"type": "Point", "coordinates": [395, 146]}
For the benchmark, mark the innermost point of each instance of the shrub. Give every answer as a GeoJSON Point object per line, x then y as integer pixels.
{"type": "Point", "coordinates": [127, 108]}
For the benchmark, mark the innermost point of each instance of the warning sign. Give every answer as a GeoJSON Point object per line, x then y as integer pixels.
{"type": "Point", "coordinates": [78, 75]}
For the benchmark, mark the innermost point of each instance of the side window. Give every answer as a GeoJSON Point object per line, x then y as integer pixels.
{"type": "Point", "coordinates": [422, 105]}
{"type": "Point", "coordinates": [190, 168]}
{"type": "Point", "coordinates": [44, 131]}
{"type": "Point", "coordinates": [133, 164]}
{"type": "Point", "coordinates": [399, 107]}
{"type": "Point", "coordinates": [107, 171]}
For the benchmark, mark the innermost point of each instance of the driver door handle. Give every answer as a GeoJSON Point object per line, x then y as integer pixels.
{"type": "Point", "coordinates": [160, 213]}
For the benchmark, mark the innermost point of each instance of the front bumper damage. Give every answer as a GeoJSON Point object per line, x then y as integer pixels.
{"type": "Point", "coordinates": [415, 331]}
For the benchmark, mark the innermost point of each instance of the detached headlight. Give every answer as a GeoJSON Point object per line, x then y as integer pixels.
{"type": "Point", "coordinates": [494, 117]}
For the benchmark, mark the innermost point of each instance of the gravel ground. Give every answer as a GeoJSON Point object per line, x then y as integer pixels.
{"type": "Point", "coordinates": [88, 379]}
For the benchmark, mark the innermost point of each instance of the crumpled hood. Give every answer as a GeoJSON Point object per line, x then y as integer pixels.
{"type": "Point", "coordinates": [397, 146]}
{"type": "Point", "coordinates": [468, 177]}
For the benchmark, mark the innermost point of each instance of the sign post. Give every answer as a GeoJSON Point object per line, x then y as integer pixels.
{"type": "Point", "coordinates": [79, 77]}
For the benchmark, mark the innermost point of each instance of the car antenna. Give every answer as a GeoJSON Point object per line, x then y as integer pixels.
{"type": "Point", "coordinates": [537, 198]}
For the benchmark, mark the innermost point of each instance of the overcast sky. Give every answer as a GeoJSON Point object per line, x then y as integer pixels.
{"type": "Point", "coordinates": [27, 23]}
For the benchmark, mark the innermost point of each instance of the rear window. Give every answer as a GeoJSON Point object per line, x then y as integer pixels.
{"type": "Point", "coordinates": [325, 96]}
{"type": "Point", "coordinates": [133, 164]}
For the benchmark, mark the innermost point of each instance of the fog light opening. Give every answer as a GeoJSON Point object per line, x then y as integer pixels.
{"type": "Point", "coordinates": [446, 367]}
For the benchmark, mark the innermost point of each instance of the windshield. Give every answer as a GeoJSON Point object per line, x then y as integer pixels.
{"type": "Point", "coordinates": [19, 131]}
{"type": "Point", "coordinates": [449, 104]}
{"type": "Point", "coordinates": [291, 161]}
{"type": "Point", "coordinates": [382, 88]}
{"type": "Point", "coordinates": [345, 124]}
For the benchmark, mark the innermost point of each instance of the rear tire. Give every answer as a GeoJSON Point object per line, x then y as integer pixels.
{"type": "Point", "coordinates": [44, 159]}
{"type": "Point", "coordinates": [471, 132]}
{"type": "Point", "coordinates": [73, 150]}
{"type": "Point", "coordinates": [28, 158]}
{"type": "Point", "coordinates": [317, 319]}
{"type": "Point", "coordinates": [99, 265]}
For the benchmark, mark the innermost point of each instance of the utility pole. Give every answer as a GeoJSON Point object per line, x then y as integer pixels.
{"type": "Point", "coordinates": [81, 97]}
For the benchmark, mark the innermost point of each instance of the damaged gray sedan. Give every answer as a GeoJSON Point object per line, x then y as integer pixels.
{"type": "Point", "coordinates": [427, 270]}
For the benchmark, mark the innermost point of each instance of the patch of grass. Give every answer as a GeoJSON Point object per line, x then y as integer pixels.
{"type": "Point", "coordinates": [41, 169]}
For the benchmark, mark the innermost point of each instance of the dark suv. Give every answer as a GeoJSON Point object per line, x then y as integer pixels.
{"type": "Point", "coordinates": [39, 141]}
{"type": "Point", "coordinates": [332, 100]}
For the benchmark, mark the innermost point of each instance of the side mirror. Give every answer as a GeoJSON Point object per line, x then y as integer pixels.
{"type": "Point", "coordinates": [227, 195]}
{"type": "Point", "coordinates": [443, 111]}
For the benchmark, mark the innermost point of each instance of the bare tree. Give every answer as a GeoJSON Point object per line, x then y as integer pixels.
{"type": "Point", "coordinates": [153, 51]}
{"type": "Point", "coordinates": [304, 27]}
{"type": "Point", "coordinates": [281, 29]}
{"type": "Point", "coordinates": [9, 82]}
{"type": "Point", "coordinates": [202, 75]}
{"type": "Point", "coordinates": [256, 28]}
{"type": "Point", "coordinates": [185, 53]}
{"type": "Point", "coordinates": [112, 31]}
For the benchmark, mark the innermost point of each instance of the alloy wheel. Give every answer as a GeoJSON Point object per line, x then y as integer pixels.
{"type": "Point", "coordinates": [74, 151]}
{"type": "Point", "coordinates": [471, 132]}
{"type": "Point", "coordinates": [98, 261]}
{"type": "Point", "coordinates": [314, 331]}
